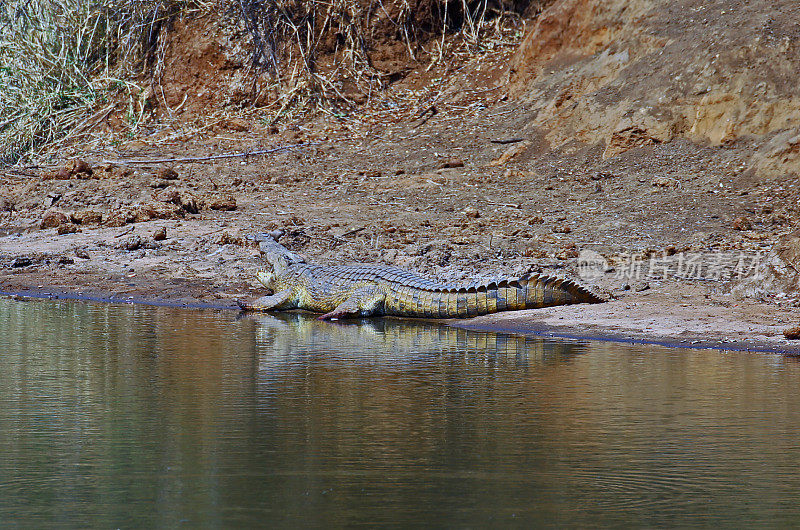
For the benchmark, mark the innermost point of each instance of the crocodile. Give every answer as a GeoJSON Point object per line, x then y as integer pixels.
{"type": "Point", "coordinates": [374, 290]}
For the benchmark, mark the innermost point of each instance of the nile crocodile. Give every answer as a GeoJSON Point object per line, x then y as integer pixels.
{"type": "Point", "coordinates": [372, 290]}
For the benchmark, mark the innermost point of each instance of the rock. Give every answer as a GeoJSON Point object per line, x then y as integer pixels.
{"type": "Point", "coordinates": [111, 171]}
{"type": "Point", "coordinates": [66, 260]}
{"type": "Point", "coordinates": [131, 243]}
{"type": "Point", "coordinates": [390, 256]}
{"type": "Point", "coordinates": [567, 253]}
{"type": "Point", "coordinates": [171, 195]}
{"type": "Point", "coordinates": [159, 183]}
{"type": "Point", "coordinates": [161, 234]}
{"type": "Point", "coordinates": [120, 218]}
{"type": "Point", "coordinates": [158, 210]}
{"type": "Point", "coordinates": [472, 212]}
{"type": "Point", "coordinates": [6, 205]}
{"type": "Point", "coordinates": [78, 168]}
{"type": "Point", "coordinates": [512, 153]}
{"type": "Point", "coordinates": [87, 217]}
{"type": "Point", "coordinates": [236, 124]}
{"type": "Point", "coordinates": [742, 223]}
{"type": "Point", "coordinates": [67, 228]}
{"type": "Point", "coordinates": [536, 220]}
{"type": "Point", "coordinates": [665, 182]}
{"type": "Point", "coordinates": [221, 203]}
{"type": "Point", "coordinates": [226, 239]}
{"type": "Point", "coordinates": [641, 286]}
{"type": "Point", "coordinates": [81, 253]}
{"type": "Point", "coordinates": [792, 333]}
{"type": "Point", "coordinates": [52, 219]}
{"type": "Point", "coordinates": [167, 173]}
{"type": "Point", "coordinates": [451, 162]}
{"type": "Point", "coordinates": [181, 198]}
{"type": "Point", "coordinates": [62, 174]}
{"type": "Point", "coordinates": [21, 261]}
{"type": "Point", "coordinates": [562, 229]}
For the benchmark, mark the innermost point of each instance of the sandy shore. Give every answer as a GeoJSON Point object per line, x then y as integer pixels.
{"type": "Point", "coordinates": [197, 266]}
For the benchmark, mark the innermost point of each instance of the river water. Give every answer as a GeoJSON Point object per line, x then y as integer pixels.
{"type": "Point", "coordinates": [117, 416]}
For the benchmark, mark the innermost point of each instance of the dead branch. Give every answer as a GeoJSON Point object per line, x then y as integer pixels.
{"type": "Point", "coordinates": [211, 157]}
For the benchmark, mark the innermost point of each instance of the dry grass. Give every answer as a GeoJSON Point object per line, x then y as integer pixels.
{"type": "Point", "coordinates": [61, 59]}
{"type": "Point", "coordinates": [66, 64]}
{"type": "Point", "coordinates": [296, 41]}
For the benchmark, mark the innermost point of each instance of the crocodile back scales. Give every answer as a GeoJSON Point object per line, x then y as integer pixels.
{"type": "Point", "coordinates": [408, 294]}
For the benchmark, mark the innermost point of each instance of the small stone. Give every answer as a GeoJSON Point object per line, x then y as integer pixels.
{"type": "Point", "coordinates": [170, 196]}
{"type": "Point", "coordinates": [562, 229]}
{"type": "Point", "coordinates": [512, 153]}
{"type": "Point", "coordinates": [167, 173]}
{"type": "Point", "coordinates": [67, 228]}
{"type": "Point", "coordinates": [81, 253]}
{"type": "Point", "coordinates": [222, 203]}
{"type": "Point", "coordinates": [536, 220]}
{"type": "Point", "coordinates": [87, 217]}
{"type": "Point", "coordinates": [472, 212]}
{"type": "Point", "coordinates": [158, 210]}
{"type": "Point", "coordinates": [52, 219]}
{"type": "Point", "coordinates": [21, 261]}
{"type": "Point", "coordinates": [131, 243]}
{"type": "Point", "coordinates": [66, 260]}
{"type": "Point", "coordinates": [567, 253]}
{"type": "Point", "coordinates": [78, 165]}
{"type": "Point", "coordinates": [641, 286]}
{"type": "Point", "coordinates": [742, 223]}
{"type": "Point", "coordinates": [451, 162]}
{"type": "Point", "coordinates": [159, 183]}
{"type": "Point", "coordinates": [226, 239]}
{"type": "Point", "coordinates": [120, 218]}
{"type": "Point", "coordinates": [792, 333]}
{"type": "Point", "coordinates": [161, 234]}
{"type": "Point", "coordinates": [236, 124]}
{"type": "Point", "coordinates": [62, 174]}
{"type": "Point", "coordinates": [665, 182]}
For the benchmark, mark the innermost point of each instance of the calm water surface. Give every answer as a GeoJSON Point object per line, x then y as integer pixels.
{"type": "Point", "coordinates": [120, 416]}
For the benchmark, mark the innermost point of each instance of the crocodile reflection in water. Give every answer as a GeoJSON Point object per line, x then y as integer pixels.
{"type": "Point", "coordinates": [288, 333]}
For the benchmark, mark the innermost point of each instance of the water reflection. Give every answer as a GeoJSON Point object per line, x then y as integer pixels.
{"type": "Point", "coordinates": [136, 416]}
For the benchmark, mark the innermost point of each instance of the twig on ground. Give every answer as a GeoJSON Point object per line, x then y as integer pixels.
{"type": "Point", "coordinates": [212, 157]}
{"type": "Point", "coordinates": [506, 140]}
{"type": "Point", "coordinates": [353, 231]}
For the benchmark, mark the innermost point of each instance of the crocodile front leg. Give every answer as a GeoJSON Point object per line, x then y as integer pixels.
{"type": "Point", "coordinates": [364, 302]}
{"type": "Point", "coordinates": [279, 300]}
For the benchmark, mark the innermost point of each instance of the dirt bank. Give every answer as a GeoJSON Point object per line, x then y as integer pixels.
{"type": "Point", "coordinates": [545, 164]}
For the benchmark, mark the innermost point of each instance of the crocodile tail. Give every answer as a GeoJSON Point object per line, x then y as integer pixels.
{"type": "Point", "coordinates": [546, 291]}
{"type": "Point", "coordinates": [528, 292]}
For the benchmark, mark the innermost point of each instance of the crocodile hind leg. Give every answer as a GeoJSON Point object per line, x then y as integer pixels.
{"type": "Point", "coordinates": [279, 300]}
{"type": "Point", "coordinates": [363, 302]}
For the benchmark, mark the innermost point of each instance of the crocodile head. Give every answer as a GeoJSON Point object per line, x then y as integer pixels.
{"type": "Point", "coordinates": [267, 279]}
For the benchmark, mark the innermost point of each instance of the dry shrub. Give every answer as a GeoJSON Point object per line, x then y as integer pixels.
{"type": "Point", "coordinates": [65, 64]}
{"type": "Point", "coordinates": [59, 59]}
{"type": "Point", "coordinates": [321, 51]}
